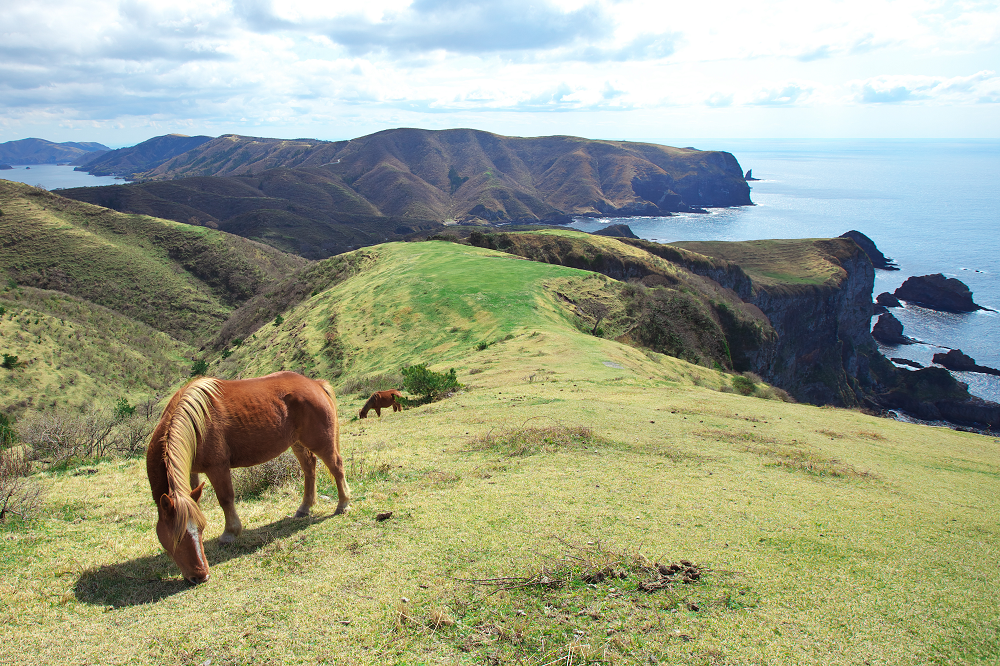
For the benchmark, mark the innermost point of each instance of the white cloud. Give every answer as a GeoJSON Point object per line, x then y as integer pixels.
{"type": "Point", "coordinates": [982, 86]}
{"type": "Point", "coordinates": [226, 63]}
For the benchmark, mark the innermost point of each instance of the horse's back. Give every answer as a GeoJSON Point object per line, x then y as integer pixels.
{"type": "Point", "coordinates": [259, 418]}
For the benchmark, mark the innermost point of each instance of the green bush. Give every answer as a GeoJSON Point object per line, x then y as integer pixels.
{"type": "Point", "coordinates": [10, 361]}
{"type": "Point", "coordinates": [200, 367]}
{"type": "Point", "coordinates": [743, 385]}
{"type": "Point", "coordinates": [7, 433]}
{"type": "Point", "coordinates": [123, 410]}
{"type": "Point", "coordinates": [427, 384]}
{"type": "Point", "coordinates": [279, 320]}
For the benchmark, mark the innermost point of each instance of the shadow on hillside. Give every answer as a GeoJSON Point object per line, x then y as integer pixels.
{"type": "Point", "coordinates": [149, 579]}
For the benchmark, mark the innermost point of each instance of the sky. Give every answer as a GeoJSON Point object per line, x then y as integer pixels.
{"type": "Point", "coordinates": [122, 72]}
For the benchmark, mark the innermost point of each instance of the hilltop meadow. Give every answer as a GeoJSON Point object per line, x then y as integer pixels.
{"type": "Point", "coordinates": [580, 499]}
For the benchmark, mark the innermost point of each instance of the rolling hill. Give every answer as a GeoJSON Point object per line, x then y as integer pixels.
{"type": "Point", "coordinates": [41, 151]}
{"type": "Point", "coordinates": [383, 183]}
{"type": "Point", "coordinates": [180, 279]}
{"type": "Point", "coordinates": [126, 162]}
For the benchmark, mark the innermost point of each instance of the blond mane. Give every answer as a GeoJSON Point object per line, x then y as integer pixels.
{"type": "Point", "coordinates": [187, 423]}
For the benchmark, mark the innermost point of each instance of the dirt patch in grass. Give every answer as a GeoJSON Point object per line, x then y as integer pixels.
{"type": "Point", "coordinates": [591, 604]}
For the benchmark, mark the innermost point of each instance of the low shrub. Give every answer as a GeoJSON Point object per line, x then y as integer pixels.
{"type": "Point", "coordinates": [427, 384]}
{"type": "Point", "coordinates": [65, 437]}
{"type": "Point", "coordinates": [19, 496]}
{"type": "Point", "coordinates": [7, 433]}
{"type": "Point", "coordinates": [251, 482]}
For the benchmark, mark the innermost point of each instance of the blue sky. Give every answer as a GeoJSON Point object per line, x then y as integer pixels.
{"type": "Point", "coordinates": [121, 72]}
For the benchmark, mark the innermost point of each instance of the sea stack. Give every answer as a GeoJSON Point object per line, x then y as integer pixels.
{"type": "Point", "coordinates": [889, 330]}
{"type": "Point", "coordinates": [885, 299]}
{"type": "Point", "coordinates": [936, 292]}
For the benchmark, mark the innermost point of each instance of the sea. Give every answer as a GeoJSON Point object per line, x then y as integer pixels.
{"type": "Point", "coordinates": [55, 176]}
{"type": "Point", "coordinates": [932, 206]}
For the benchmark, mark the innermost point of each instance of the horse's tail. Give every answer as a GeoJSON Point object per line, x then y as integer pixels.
{"type": "Point", "coordinates": [187, 422]}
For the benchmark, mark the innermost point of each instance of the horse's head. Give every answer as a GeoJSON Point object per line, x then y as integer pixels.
{"type": "Point", "coordinates": [179, 527]}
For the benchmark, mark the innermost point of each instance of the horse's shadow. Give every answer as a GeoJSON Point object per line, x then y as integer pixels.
{"type": "Point", "coordinates": [149, 579]}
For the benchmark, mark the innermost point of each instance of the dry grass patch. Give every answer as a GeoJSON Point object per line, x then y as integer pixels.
{"type": "Point", "coordinates": [525, 441]}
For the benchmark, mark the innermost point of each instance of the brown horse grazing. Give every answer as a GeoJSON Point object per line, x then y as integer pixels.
{"type": "Point", "coordinates": [213, 425]}
{"type": "Point", "coordinates": [379, 400]}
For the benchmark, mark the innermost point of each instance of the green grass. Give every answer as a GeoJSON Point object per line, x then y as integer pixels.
{"type": "Point", "coordinates": [885, 566]}
{"type": "Point", "coordinates": [825, 536]}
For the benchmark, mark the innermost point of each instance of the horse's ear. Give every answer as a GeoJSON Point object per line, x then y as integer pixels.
{"type": "Point", "coordinates": [166, 504]}
{"type": "Point", "coordinates": [196, 493]}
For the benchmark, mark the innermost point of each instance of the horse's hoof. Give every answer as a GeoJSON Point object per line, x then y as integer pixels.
{"type": "Point", "coordinates": [301, 514]}
{"type": "Point", "coordinates": [227, 537]}
{"type": "Point", "coordinates": [341, 509]}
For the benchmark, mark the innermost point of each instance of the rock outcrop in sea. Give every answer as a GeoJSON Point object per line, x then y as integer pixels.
{"type": "Point", "coordinates": [956, 359]}
{"type": "Point", "coordinates": [937, 292]}
{"type": "Point", "coordinates": [889, 330]}
{"type": "Point", "coordinates": [885, 299]}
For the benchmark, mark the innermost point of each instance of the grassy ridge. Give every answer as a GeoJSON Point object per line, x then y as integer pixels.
{"type": "Point", "coordinates": [181, 279]}
{"type": "Point", "coordinates": [431, 302]}
{"type": "Point", "coordinates": [779, 265]}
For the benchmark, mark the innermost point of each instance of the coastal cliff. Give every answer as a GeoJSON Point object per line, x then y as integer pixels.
{"type": "Point", "coordinates": [817, 296]}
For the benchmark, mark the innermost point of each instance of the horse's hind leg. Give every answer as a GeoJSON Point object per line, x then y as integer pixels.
{"type": "Point", "coordinates": [222, 481]}
{"type": "Point", "coordinates": [308, 462]}
{"type": "Point", "coordinates": [331, 458]}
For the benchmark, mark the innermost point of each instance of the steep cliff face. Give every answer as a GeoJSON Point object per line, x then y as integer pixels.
{"type": "Point", "coordinates": [817, 296]}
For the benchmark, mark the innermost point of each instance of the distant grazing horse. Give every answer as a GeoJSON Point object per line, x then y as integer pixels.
{"type": "Point", "coordinates": [213, 425]}
{"type": "Point", "coordinates": [379, 400]}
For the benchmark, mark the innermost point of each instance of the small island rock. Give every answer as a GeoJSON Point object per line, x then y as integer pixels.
{"type": "Point", "coordinates": [956, 359]}
{"type": "Point", "coordinates": [889, 330]}
{"type": "Point", "coordinates": [937, 292]}
{"type": "Point", "coordinates": [888, 300]}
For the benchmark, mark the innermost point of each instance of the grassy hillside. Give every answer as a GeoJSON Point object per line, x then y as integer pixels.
{"type": "Point", "coordinates": [308, 212]}
{"type": "Point", "coordinates": [529, 509]}
{"type": "Point", "coordinates": [72, 353]}
{"type": "Point", "coordinates": [127, 162]}
{"type": "Point", "coordinates": [181, 279]}
{"type": "Point", "coordinates": [780, 266]}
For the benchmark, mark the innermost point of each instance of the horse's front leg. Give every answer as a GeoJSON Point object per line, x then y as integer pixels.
{"type": "Point", "coordinates": [222, 481]}
{"type": "Point", "coordinates": [308, 462]}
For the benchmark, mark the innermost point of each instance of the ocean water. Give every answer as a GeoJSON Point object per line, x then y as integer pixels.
{"type": "Point", "coordinates": [53, 176]}
{"type": "Point", "coordinates": [933, 206]}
